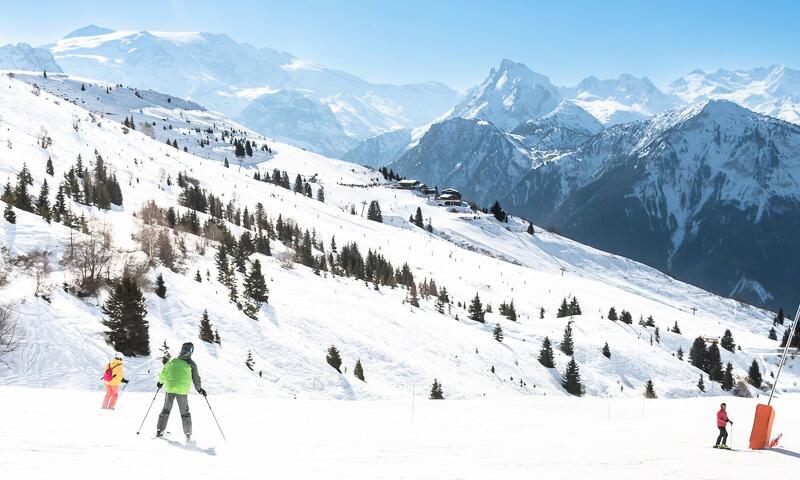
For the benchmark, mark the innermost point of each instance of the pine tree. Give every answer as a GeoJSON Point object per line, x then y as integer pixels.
{"type": "Point", "coordinates": [571, 380]}
{"type": "Point", "coordinates": [657, 335]}
{"type": "Point", "coordinates": [649, 390]}
{"type": "Point", "coordinates": [773, 335]}
{"type": "Point", "coordinates": [436, 391]}
{"type": "Point", "coordinates": [197, 277]}
{"type": "Point", "coordinates": [679, 353]}
{"type": "Point", "coordinates": [475, 310]}
{"type": "Point", "coordinates": [727, 341]}
{"type": "Point", "coordinates": [541, 313]}
{"type": "Point", "coordinates": [676, 329]}
{"type": "Point", "coordinates": [321, 194]}
{"type": "Point", "coordinates": [563, 309]}
{"type": "Point", "coordinates": [255, 287]}
{"type": "Point", "coordinates": [418, 218]}
{"type": "Point", "coordinates": [43, 202]}
{"type": "Point", "coordinates": [216, 337]}
{"type": "Point", "coordinates": [206, 331]}
{"type": "Point", "coordinates": [498, 333]}
{"type": "Point", "coordinates": [727, 378]}
{"type": "Point", "coordinates": [161, 288]}
{"type": "Point", "coordinates": [358, 371]}
{"type": "Point", "coordinates": [128, 329]}
{"type": "Point", "coordinates": [779, 317]}
{"type": "Point", "coordinates": [165, 355]}
{"type": "Point", "coordinates": [612, 314]}
{"type": "Point", "coordinates": [546, 357]}
{"type": "Point", "coordinates": [333, 358]}
{"type": "Point", "coordinates": [49, 167]}
{"type": "Point", "coordinates": [606, 351]}
{"type": "Point", "coordinates": [248, 361]}
{"type": "Point", "coordinates": [567, 346]}
{"type": "Point", "coordinates": [22, 198]}
{"type": "Point", "coordinates": [574, 307]}
{"type": "Point", "coordinates": [626, 317]}
{"type": "Point", "coordinates": [413, 299]}
{"type": "Point", "coordinates": [374, 212]}
{"type": "Point", "coordinates": [498, 212]}
{"type": "Point", "coordinates": [754, 375]}
{"type": "Point", "coordinates": [701, 384]}
{"type": "Point", "coordinates": [713, 365]}
{"type": "Point", "coordinates": [9, 215]}
{"type": "Point", "coordinates": [697, 354]}
{"type": "Point", "coordinates": [530, 228]}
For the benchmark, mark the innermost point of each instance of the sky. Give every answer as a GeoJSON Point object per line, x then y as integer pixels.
{"type": "Point", "coordinates": [457, 42]}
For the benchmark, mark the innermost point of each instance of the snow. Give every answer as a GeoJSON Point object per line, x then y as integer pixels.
{"type": "Point", "coordinates": [510, 438]}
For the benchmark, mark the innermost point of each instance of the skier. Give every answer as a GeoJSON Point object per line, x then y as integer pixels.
{"type": "Point", "coordinates": [176, 378]}
{"type": "Point", "coordinates": [722, 422]}
{"type": "Point", "coordinates": [112, 377]}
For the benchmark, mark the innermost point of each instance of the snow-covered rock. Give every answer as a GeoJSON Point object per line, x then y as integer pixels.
{"type": "Point", "coordinates": [773, 91]}
{"type": "Point", "coordinates": [381, 149]}
{"type": "Point", "coordinates": [24, 57]}
{"type": "Point", "coordinates": [510, 95]}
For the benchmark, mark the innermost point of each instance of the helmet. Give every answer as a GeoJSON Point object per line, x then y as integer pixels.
{"type": "Point", "coordinates": [117, 356]}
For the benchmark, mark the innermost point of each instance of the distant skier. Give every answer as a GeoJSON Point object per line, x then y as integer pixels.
{"type": "Point", "coordinates": [112, 377]}
{"type": "Point", "coordinates": [722, 422]}
{"type": "Point", "coordinates": [176, 378]}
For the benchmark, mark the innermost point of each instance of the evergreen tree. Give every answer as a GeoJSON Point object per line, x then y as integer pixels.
{"type": "Point", "coordinates": [22, 199]}
{"type": "Point", "coordinates": [43, 202]}
{"type": "Point", "coordinates": [612, 314]}
{"type": "Point", "coordinates": [563, 309]}
{"type": "Point", "coordinates": [779, 317]}
{"type": "Point", "coordinates": [197, 277]}
{"type": "Point", "coordinates": [727, 378]}
{"type": "Point", "coordinates": [248, 361]}
{"type": "Point", "coordinates": [530, 228]}
{"type": "Point", "coordinates": [8, 194]}
{"type": "Point", "coordinates": [606, 351]}
{"type": "Point", "coordinates": [713, 365]}
{"type": "Point", "coordinates": [567, 346]}
{"type": "Point", "coordinates": [321, 194]}
{"type": "Point", "coordinates": [161, 288]}
{"type": "Point", "coordinates": [574, 307]}
{"type": "Point", "coordinates": [676, 329]}
{"type": "Point", "coordinates": [773, 335]}
{"type": "Point", "coordinates": [657, 335]}
{"type": "Point", "coordinates": [498, 212]}
{"type": "Point", "coordinates": [206, 331]}
{"type": "Point", "coordinates": [679, 353]}
{"type": "Point", "coordinates": [418, 218]}
{"type": "Point", "coordinates": [165, 355]}
{"type": "Point", "coordinates": [298, 184]}
{"type": "Point", "coordinates": [649, 390]}
{"type": "Point", "coordinates": [128, 329]}
{"type": "Point", "coordinates": [475, 310]}
{"type": "Point", "coordinates": [358, 371]}
{"type": "Point", "coordinates": [49, 167]}
{"type": "Point", "coordinates": [697, 354]}
{"type": "Point", "coordinates": [498, 332]}
{"type": "Point", "coordinates": [727, 341]}
{"type": "Point", "coordinates": [216, 337]}
{"type": "Point", "coordinates": [701, 384]}
{"type": "Point", "coordinates": [333, 358]}
{"type": "Point", "coordinates": [754, 375]}
{"type": "Point", "coordinates": [9, 215]}
{"type": "Point", "coordinates": [541, 313]}
{"type": "Point", "coordinates": [626, 317]}
{"type": "Point", "coordinates": [413, 299]}
{"type": "Point", "coordinates": [255, 287]}
{"type": "Point", "coordinates": [436, 391]}
{"type": "Point", "coordinates": [546, 357]}
{"type": "Point", "coordinates": [571, 380]}
{"type": "Point", "coordinates": [374, 212]}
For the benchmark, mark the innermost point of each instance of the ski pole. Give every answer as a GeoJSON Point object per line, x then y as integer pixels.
{"type": "Point", "coordinates": [215, 418]}
{"type": "Point", "coordinates": [148, 410]}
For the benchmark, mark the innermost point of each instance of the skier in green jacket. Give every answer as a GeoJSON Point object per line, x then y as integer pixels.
{"type": "Point", "coordinates": [176, 378]}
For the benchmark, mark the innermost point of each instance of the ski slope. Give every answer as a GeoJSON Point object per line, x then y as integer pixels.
{"type": "Point", "coordinates": [399, 345]}
{"type": "Point", "coordinates": [511, 438]}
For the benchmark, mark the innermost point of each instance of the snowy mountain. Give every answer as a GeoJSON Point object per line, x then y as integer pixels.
{"type": "Point", "coordinates": [773, 91]}
{"type": "Point", "coordinates": [381, 149]}
{"type": "Point", "coordinates": [226, 76]}
{"type": "Point", "coordinates": [620, 100]}
{"type": "Point", "coordinates": [510, 95]}
{"type": "Point", "coordinates": [708, 193]}
{"type": "Point", "coordinates": [24, 57]}
{"type": "Point", "coordinates": [370, 314]}
{"type": "Point", "coordinates": [295, 117]}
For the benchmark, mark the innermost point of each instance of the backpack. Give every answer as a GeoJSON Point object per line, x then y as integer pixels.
{"type": "Point", "coordinates": [109, 373]}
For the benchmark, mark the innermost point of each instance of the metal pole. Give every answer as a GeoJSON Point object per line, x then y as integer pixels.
{"type": "Point", "coordinates": [215, 418]}
{"type": "Point", "coordinates": [785, 352]}
{"type": "Point", "coordinates": [148, 410]}
{"type": "Point", "coordinates": [413, 385]}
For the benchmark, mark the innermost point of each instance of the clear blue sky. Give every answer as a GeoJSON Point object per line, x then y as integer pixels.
{"type": "Point", "coordinates": [456, 42]}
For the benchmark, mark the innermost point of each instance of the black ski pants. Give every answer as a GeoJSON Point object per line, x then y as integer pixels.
{"type": "Point", "coordinates": [723, 436]}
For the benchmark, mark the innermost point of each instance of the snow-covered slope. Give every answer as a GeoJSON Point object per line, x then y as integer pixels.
{"type": "Point", "coordinates": [773, 91]}
{"type": "Point", "coordinates": [620, 100]}
{"type": "Point", "coordinates": [226, 76]}
{"type": "Point", "coordinates": [381, 149]}
{"type": "Point", "coordinates": [399, 345]}
{"type": "Point", "coordinates": [24, 57]}
{"type": "Point", "coordinates": [510, 95]}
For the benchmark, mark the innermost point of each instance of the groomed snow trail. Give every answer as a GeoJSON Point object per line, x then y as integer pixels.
{"type": "Point", "coordinates": [50, 433]}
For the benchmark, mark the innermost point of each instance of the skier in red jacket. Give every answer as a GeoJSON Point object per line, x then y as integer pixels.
{"type": "Point", "coordinates": [722, 422]}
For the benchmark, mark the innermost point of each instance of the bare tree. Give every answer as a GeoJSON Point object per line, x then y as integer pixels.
{"type": "Point", "coordinates": [38, 263]}
{"type": "Point", "coordinates": [90, 257]}
{"type": "Point", "coordinates": [285, 259]}
{"type": "Point", "coordinates": [8, 331]}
